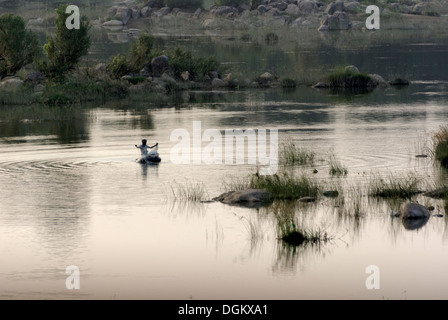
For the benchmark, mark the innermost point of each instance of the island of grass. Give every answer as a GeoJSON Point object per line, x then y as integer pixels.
{"type": "Point", "coordinates": [350, 77]}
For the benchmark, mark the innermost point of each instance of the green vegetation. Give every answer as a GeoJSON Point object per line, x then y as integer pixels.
{"type": "Point", "coordinates": [118, 67]}
{"type": "Point", "coordinates": [189, 191]}
{"type": "Point", "coordinates": [290, 154]}
{"type": "Point", "coordinates": [346, 78]}
{"type": "Point", "coordinates": [336, 167]}
{"type": "Point", "coordinates": [181, 61]}
{"type": "Point", "coordinates": [141, 52]}
{"type": "Point", "coordinates": [394, 187]}
{"type": "Point", "coordinates": [288, 229]}
{"type": "Point", "coordinates": [285, 185]}
{"type": "Point", "coordinates": [441, 146]}
{"type": "Point", "coordinates": [66, 48]}
{"type": "Point", "coordinates": [288, 83]}
{"type": "Point", "coordinates": [18, 46]}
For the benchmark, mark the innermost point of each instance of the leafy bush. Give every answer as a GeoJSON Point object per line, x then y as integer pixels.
{"type": "Point", "coordinates": [118, 67]}
{"type": "Point", "coordinates": [18, 46]}
{"type": "Point", "coordinates": [194, 4]}
{"type": "Point", "coordinates": [348, 79]}
{"type": "Point", "coordinates": [141, 52]}
{"type": "Point", "coordinates": [288, 83]}
{"type": "Point", "coordinates": [181, 61]}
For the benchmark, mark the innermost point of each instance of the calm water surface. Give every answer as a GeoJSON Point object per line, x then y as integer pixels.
{"type": "Point", "coordinates": [72, 194]}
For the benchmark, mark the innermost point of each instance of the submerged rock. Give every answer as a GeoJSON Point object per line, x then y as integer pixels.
{"type": "Point", "coordinates": [331, 193]}
{"type": "Point", "coordinates": [414, 211]}
{"type": "Point", "coordinates": [248, 197]}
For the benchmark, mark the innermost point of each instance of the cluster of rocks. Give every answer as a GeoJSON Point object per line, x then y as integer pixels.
{"type": "Point", "coordinates": [337, 15]}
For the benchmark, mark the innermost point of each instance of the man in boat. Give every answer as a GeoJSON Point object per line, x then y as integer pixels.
{"type": "Point", "coordinates": [144, 147]}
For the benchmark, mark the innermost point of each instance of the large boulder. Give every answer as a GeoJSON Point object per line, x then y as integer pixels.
{"type": "Point", "coordinates": [35, 78]}
{"type": "Point", "coordinates": [124, 13]}
{"type": "Point", "coordinates": [159, 65]}
{"type": "Point", "coordinates": [307, 7]}
{"type": "Point", "coordinates": [146, 12]}
{"type": "Point", "coordinates": [248, 197]}
{"type": "Point", "coordinates": [292, 10]}
{"type": "Point", "coordinates": [414, 211]}
{"type": "Point", "coordinates": [11, 84]}
{"type": "Point", "coordinates": [334, 7]}
{"type": "Point", "coordinates": [338, 21]}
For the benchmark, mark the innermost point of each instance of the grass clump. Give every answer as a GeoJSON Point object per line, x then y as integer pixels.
{"type": "Point", "coordinates": [288, 229]}
{"type": "Point", "coordinates": [285, 185]}
{"type": "Point", "coordinates": [347, 78]}
{"type": "Point", "coordinates": [189, 191]}
{"type": "Point", "coordinates": [290, 154]}
{"type": "Point", "coordinates": [441, 145]}
{"type": "Point", "coordinates": [394, 187]}
{"type": "Point", "coordinates": [288, 83]}
{"type": "Point", "coordinates": [336, 167]}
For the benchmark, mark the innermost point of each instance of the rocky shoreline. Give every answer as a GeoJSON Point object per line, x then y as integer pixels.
{"type": "Point", "coordinates": [324, 16]}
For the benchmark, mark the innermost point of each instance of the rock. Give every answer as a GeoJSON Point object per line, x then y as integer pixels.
{"type": "Point", "coordinates": [124, 13]}
{"type": "Point", "coordinates": [223, 11]}
{"type": "Point", "coordinates": [440, 193]}
{"type": "Point", "coordinates": [338, 21]}
{"type": "Point", "coordinates": [307, 199]}
{"type": "Point", "coordinates": [167, 78]}
{"type": "Point", "coordinates": [146, 12]}
{"type": "Point", "coordinates": [136, 13]}
{"type": "Point", "coordinates": [334, 7]}
{"type": "Point", "coordinates": [321, 85]}
{"type": "Point", "coordinates": [159, 65]}
{"type": "Point", "coordinates": [217, 83]}
{"type": "Point", "coordinates": [351, 68]}
{"type": "Point", "coordinates": [150, 3]}
{"type": "Point", "coordinates": [399, 82]}
{"type": "Point", "coordinates": [37, 22]}
{"type": "Point", "coordinates": [39, 88]}
{"type": "Point", "coordinates": [351, 7]}
{"type": "Point", "coordinates": [378, 80]}
{"type": "Point", "coordinates": [265, 77]}
{"type": "Point", "coordinates": [273, 12]}
{"type": "Point", "coordinates": [292, 10]}
{"type": "Point", "coordinates": [307, 7]}
{"type": "Point", "coordinates": [262, 9]}
{"type": "Point", "coordinates": [414, 211]}
{"type": "Point", "coordinates": [197, 13]}
{"type": "Point", "coordinates": [248, 197]}
{"type": "Point", "coordinates": [331, 193]}
{"type": "Point", "coordinates": [34, 78]}
{"type": "Point", "coordinates": [163, 11]}
{"type": "Point", "coordinates": [281, 6]}
{"type": "Point", "coordinates": [11, 84]}
{"type": "Point", "coordinates": [113, 23]}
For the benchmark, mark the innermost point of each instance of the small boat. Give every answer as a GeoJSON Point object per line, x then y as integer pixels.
{"type": "Point", "coordinates": [151, 158]}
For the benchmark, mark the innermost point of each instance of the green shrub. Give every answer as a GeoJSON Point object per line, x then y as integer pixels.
{"type": "Point", "coordinates": [118, 67]}
{"type": "Point", "coordinates": [141, 52]}
{"type": "Point", "coordinates": [288, 83]}
{"type": "Point", "coordinates": [181, 61]}
{"type": "Point", "coordinates": [182, 4]}
{"type": "Point", "coordinates": [18, 46]}
{"type": "Point", "coordinates": [348, 79]}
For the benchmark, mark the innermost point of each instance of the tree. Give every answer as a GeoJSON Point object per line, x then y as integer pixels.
{"type": "Point", "coordinates": [66, 48]}
{"type": "Point", "coordinates": [18, 46]}
{"type": "Point", "coordinates": [141, 52]}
